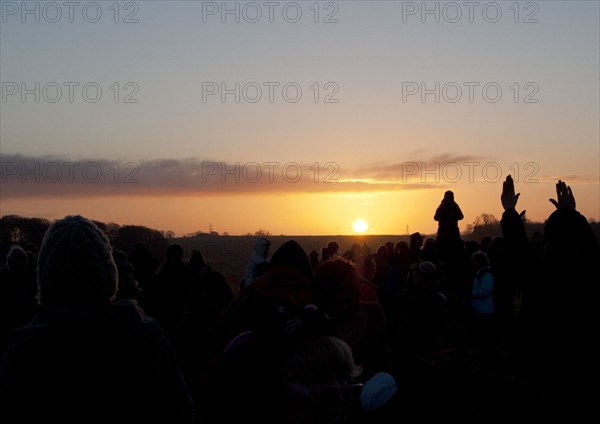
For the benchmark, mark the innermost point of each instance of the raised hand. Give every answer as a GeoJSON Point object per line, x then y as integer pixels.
{"type": "Point", "coordinates": [509, 198]}
{"type": "Point", "coordinates": [565, 197]}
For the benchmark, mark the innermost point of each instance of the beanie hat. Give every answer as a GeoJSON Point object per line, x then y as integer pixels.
{"type": "Point", "coordinates": [75, 263]}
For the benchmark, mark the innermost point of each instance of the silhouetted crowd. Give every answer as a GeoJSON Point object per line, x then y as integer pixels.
{"type": "Point", "coordinates": [434, 330]}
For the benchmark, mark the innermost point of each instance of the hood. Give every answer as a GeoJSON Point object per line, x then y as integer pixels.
{"type": "Point", "coordinates": [292, 254]}
{"type": "Point", "coordinates": [262, 247]}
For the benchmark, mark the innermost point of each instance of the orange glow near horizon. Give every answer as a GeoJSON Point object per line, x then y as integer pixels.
{"type": "Point", "coordinates": [393, 213]}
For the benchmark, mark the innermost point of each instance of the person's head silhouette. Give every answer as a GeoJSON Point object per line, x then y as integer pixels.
{"type": "Point", "coordinates": [76, 264]}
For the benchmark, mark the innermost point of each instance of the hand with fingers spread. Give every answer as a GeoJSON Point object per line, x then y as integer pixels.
{"type": "Point", "coordinates": [565, 197]}
{"type": "Point", "coordinates": [509, 198]}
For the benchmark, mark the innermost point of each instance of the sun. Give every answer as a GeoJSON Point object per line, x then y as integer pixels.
{"type": "Point", "coordinates": [360, 225]}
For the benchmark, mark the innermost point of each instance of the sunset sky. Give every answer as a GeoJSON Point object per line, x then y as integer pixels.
{"type": "Point", "coordinates": [296, 117]}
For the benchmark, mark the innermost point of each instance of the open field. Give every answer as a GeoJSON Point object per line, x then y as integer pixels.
{"type": "Point", "coordinates": [229, 254]}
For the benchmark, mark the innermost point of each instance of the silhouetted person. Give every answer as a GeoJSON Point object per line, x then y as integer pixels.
{"type": "Point", "coordinates": [194, 340]}
{"type": "Point", "coordinates": [144, 272]}
{"type": "Point", "coordinates": [290, 370]}
{"type": "Point", "coordinates": [144, 265]}
{"type": "Point", "coordinates": [471, 246]}
{"type": "Point", "coordinates": [426, 310]}
{"type": "Point", "coordinates": [482, 301]}
{"type": "Point", "coordinates": [382, 262]}
{"type": "Point", "coordinates": [197, 265]}
{"type": "Point", "coordinates": [284, 287]}
{"type": "Point", "coordinates": [256, 264]}
{"type": "Point", "coordinates": [429, 251]}
{"type": "Point", "coordinates": [325, 254]}
{"type": "Point", "coordinates": [505, 279]}
{"type": "Point", "coordinates": [248, 372]}
{"type": "Point", "coordinates": [32, 290]}
{"type": "Point", "coordinates": [394, 280]}
{"type": "Point", "coordinates": [485, 244]}
{"type": "Point", "coordinates": [334, 250]}
{"type": "Point", "coordinates": [354, 254]}
{"type": "Point", "coordinates": [390, 247]}
{"type": "Point", "coordinates": [84, 358]}
{"type": "Point", "coordinates": [173, 290]}
{"type": "Point", "coordinates": [128, 287]}
{"type": "Point", "coordinates": [558, 322]}
{"type": "Point", "coordinates": [338, 290]}
{"type": "Point", "coordinates": [416, 241]}
{"type": "Point", "coordinates": [367, 269]}
{"type": "Point", "coordinates": [319, 377]}
{"type": "Point", "coordinates": [447, 215]}
{"type": "Point", "coordinates": [314, 258]}
{"type": "Point", "coordinates": [16, 304]}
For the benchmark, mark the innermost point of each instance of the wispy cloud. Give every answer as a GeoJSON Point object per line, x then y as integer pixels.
{"type": "Point", "coordinates": [26, 176]}
{"type": "Point", "coordinates": [412, 169]}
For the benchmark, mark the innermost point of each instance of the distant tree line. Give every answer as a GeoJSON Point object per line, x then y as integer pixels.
{"type": "Point", "coordinates": [21, 230]}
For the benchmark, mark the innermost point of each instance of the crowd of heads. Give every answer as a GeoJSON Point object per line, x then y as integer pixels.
{"type": "Point", "coordinates": [433, 329]}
